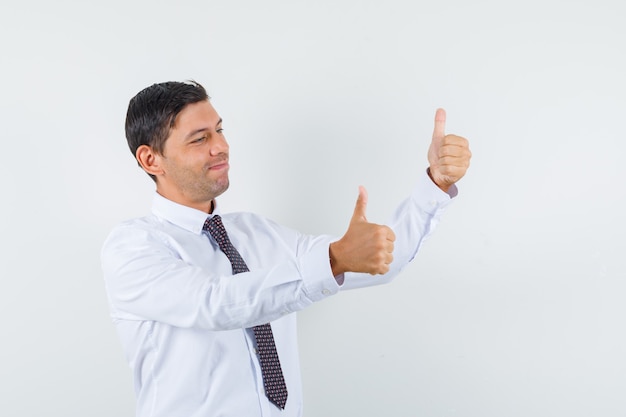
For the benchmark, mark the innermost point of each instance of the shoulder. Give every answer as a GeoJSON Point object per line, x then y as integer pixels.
{"type": "Point", "coordinates": [146, 223]}
{"type": "Point", "coordinates": [132, 232]}
{"type": "Point", "coordinates": [264, 232]}
{"type": "Point", "coordinates": [250, 222]}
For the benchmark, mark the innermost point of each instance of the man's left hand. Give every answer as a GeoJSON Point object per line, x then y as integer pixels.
{"type": "Point", "coordinates": [448, 155]}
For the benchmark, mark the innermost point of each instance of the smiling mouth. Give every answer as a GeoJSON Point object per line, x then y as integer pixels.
{"type": "Point", "coordinates": [220, 165]}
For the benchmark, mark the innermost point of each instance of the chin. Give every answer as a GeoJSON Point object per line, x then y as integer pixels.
{"type": "Point", "coordinates": [217, 191]}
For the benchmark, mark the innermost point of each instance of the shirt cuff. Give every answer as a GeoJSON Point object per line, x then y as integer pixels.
{"type": "Point", "coordinates": [429, 196]}
{"type": "Point", "coordinates": [340, 279]}
{"type": "Point", "coordinates": [316, 273]}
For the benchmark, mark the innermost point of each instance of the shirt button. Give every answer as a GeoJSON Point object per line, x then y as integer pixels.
{"type": "Point", "coordinates": [256, 351]}
{"type": "Point", "coordinates": [326, 291]}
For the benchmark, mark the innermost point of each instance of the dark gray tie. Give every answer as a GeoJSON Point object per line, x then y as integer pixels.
{"type": "Point", "coordinates": [273, 380]}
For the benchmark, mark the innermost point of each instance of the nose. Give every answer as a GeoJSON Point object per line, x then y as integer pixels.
{"type": "Point", "coordinates": [218, 145]}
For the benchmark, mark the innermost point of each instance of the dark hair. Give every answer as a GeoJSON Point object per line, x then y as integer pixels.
{"type": "Point", "coordinates": [152, 113]}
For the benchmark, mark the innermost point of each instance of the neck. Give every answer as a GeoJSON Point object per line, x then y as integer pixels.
{"type": "Point", "coordinates": [204, 206]}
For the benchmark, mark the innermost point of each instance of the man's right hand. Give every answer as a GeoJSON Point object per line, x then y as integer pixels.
{"type": "Point", "coordinates": [365, 247]}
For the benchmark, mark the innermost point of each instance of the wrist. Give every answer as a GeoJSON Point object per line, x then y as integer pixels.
{"type": "Point", "coordinates": [333, 260]}
{"type": "Point", "coordinates": [444, 187]}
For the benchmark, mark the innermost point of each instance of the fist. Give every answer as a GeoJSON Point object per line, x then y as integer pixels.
{"type": "Point", "coordinates": [366, 247]}
{"type": "Point", "coordinates": [449, 155]}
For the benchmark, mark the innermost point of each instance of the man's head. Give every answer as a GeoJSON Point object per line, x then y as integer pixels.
{"type": "Point", "coordinates": [176, 137]}
{"type": "Point", "coordinates": [152, 113]}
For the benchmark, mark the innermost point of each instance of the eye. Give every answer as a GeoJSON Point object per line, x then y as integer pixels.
{"type": "Point", "coordinates": [198, 139]}
{"type": "Point", "coordinates": [220, 130]}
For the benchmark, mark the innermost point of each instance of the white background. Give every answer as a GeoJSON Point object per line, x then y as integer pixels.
{"type": "Point", "coordinates": [513, 308]}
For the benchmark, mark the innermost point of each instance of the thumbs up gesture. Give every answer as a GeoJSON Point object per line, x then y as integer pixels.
{"type": "Point", "coordinates": [365, 247]}
{"type": "Point", "coordinates": [448, 155]}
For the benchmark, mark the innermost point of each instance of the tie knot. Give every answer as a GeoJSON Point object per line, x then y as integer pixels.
{"type": "Point", "coordinates": [215, 227]}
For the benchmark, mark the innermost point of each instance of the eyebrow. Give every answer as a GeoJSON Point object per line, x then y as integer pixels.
{"type": "Point", "coordinates": [203, 129]}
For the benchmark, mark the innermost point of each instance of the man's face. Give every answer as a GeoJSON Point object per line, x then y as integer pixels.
{"type": "Point", "coordinates": [195, 158]}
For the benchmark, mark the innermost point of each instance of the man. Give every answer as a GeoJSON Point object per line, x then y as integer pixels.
{"type": "Point", "coordinates": [206, 314]}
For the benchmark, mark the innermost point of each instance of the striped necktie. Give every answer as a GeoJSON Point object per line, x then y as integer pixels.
{"type": "Point", "coordinates": [273, 380]}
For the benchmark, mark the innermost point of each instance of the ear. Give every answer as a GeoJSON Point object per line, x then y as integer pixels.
{"type": "Point", "coordinates": [149, 160]}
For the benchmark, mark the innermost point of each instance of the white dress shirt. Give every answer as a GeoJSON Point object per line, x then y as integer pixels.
{"type": "Point", "coordinates": [184, 319]}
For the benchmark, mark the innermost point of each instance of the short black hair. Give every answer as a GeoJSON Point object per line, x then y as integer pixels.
{"type": "Point", "coordinates": [152, 113]}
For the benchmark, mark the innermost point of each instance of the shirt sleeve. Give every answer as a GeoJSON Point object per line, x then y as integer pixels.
{"type": "Point", "coordinates": [146, 279]}
{"type": "Point", "coordinates": [413, 221]}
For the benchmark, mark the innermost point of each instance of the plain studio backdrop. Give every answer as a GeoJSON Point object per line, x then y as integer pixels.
{"type": "Point", "coordinates": [514, 307]}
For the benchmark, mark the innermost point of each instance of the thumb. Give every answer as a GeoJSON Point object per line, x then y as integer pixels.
{"type": "Point", "coordinates": [361, 206]}
{"type": "Point", "coordinates": [440, 124]}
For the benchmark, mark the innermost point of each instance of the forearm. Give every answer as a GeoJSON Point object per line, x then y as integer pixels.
{"type": "Point", "coordinates": [152, 283]}
{"type": "Point", "coordinates": [413, 221]}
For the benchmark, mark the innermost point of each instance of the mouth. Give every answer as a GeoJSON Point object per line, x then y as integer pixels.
{"type": "Point", "coordinates": [219, 165]}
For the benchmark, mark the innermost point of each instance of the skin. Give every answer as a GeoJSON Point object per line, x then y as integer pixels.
{"type": "Point", "coordinates": [449, 155]}
{"type": "Point", "coordinates": [193, 168]}
{"type": "Point", "coordinates": [368, 247]}
{"type": "Point", "coordinates": [193, 171]}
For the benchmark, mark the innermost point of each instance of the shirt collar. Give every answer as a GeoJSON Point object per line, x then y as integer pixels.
{"type": "Point", "coordinates": [186, 217]}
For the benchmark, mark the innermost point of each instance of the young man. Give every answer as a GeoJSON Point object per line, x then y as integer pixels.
{"type": "Point", "coordinates": [206, 314]}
